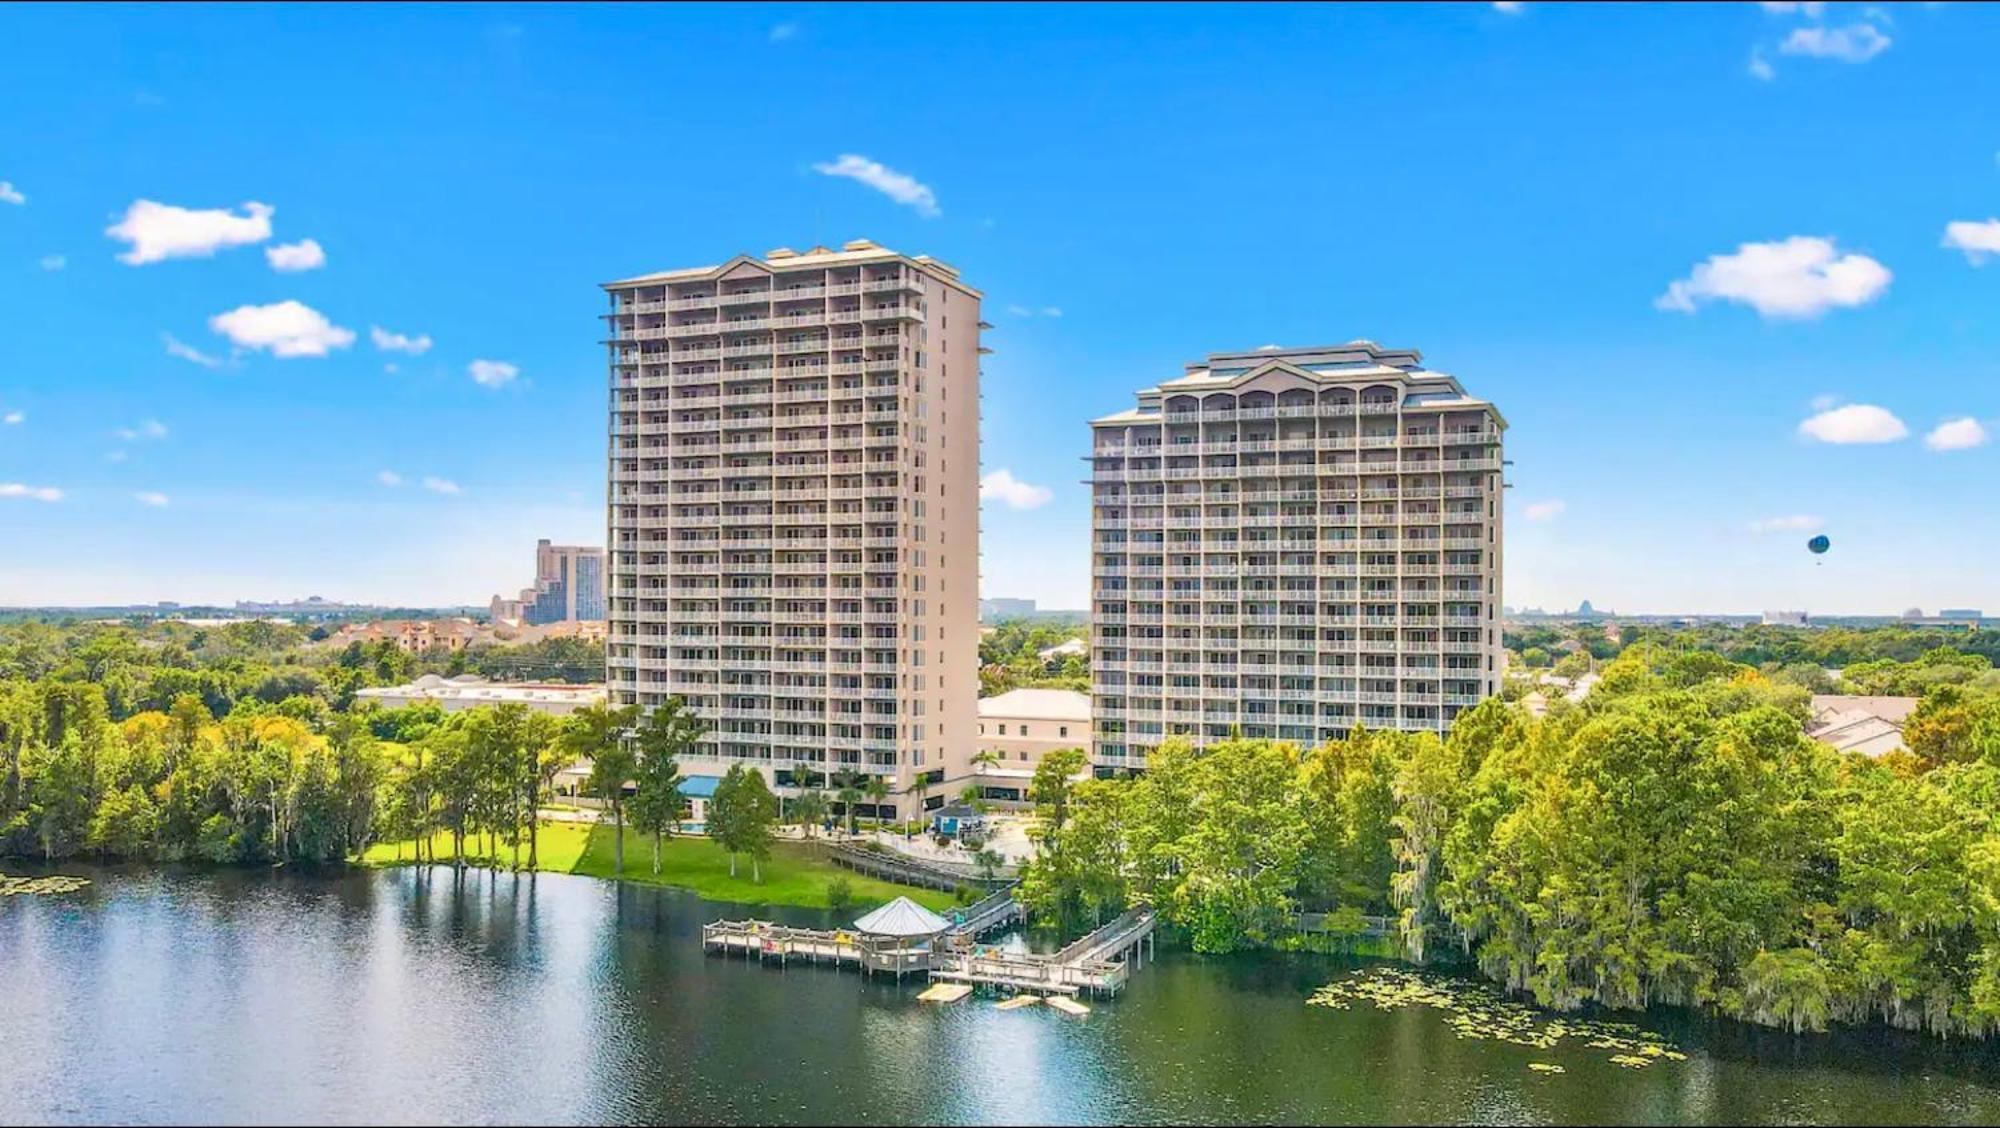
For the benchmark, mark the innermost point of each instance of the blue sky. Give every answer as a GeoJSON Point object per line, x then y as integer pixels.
{"type": "Point", "coordinates": [1517, 194]}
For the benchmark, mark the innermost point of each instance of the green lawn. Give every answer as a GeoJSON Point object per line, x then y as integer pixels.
{"type": "Point", "coordinates": [793, 875]}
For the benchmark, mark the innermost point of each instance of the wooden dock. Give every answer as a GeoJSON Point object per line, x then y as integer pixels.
{"type": "Point", "coordinates": [1098, 964]}
{"type": "Point", "coordinates": [904, 869]}
{"type": "Point", "coordinates": [782, 943]}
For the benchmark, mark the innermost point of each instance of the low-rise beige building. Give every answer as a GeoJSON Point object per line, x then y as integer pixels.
{"type": "Point", "coordinates": [414, 636]}
{"type": "Point", "coordinates": [1872, 726]}
{"type": "Point", "coordinates": [469, 691]}
{"type": "Point", "coordinates": [1016, 729]}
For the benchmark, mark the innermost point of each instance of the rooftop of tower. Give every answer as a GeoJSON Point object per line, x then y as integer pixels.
{"type": "Point", "coordinates": [854, 252]}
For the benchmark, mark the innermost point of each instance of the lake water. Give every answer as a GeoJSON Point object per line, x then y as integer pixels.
{"type": "Point", "coordinates": [405, 995]}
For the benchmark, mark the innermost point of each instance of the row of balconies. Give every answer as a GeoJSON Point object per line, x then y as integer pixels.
{"type": "Point", "coordinates": [1226, 493]}
{"type": "Point", "coordinates": [1296, 469]}
{"type": "Point", "coordinates": [1113, 447]}
{"type": "Point", "coordinates": [1145, 645]}
{"type": "Point", "coordinates": [1349, 544]}
{"type": "Point", "coordinates": [881, 311]}
{"type": "Point", "coordinates": [1105, 566]}
{"type": "Point", "coordinates": [1298, 411]}
{"type": "Point", "coordinates": [1337, 440]}
{"type": "Point", "coordinates": [623, 303]}
{"type": "Point", "coordinates": [827, 668]}
{"type": "Point", "coordinates": [1302, 569]}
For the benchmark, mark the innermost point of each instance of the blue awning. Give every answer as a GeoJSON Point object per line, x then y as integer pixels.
{"type": "Point", "coordinates": [699, 787]}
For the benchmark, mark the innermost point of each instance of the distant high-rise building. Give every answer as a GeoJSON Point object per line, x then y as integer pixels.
{"type": "Point", "coordinates": [1001, 607]}
{"type": "Point", "coordinates": [795, 512]}
{"type": "Point", "coordinates": [1289, 543]}
{"type": "Point", "coordinates": [569, 586]}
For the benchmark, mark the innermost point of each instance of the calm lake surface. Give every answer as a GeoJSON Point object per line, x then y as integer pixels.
{"type": "Point", "coordinates": [400, 996]}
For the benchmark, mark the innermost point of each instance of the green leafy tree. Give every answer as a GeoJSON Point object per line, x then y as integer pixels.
{"type": "Point", "coordinates": [1053, 784]}
{"type": "Point", "coordinates": [600, 734]}
{"type": "Point", "coordinates": [669, 732]}
{"type": "Point", "coordinates": [741, 817]}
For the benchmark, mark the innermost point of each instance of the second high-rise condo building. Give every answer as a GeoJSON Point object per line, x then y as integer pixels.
{"type": "Point", "coordinates": [1291, 543]}
{"type": "Point", "coordinates": [794, 512]}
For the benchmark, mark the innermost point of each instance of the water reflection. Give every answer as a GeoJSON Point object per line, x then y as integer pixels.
{"type": "Point", "coordinates": [431, 996]}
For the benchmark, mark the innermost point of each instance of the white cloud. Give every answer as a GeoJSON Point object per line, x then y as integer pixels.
{"type": "Point", "coordinates": [1003, 487]}
{"type": "Point", "coordinates": [1811, 9]}
{"type": "Point", "coordinates": [1976, 239]}
{"type": "Point", "coordinates": [389, 478]}
{"type": "Point", "coordinates": [386, 341]}
{"type": "Point", "coordinates": [898, 186]}
{"type": "Point", "coordinates": [1795, 523]}
{"type": "Point", "coordinates": [150, 429]}
{"type": "Point", "coordinates": [287, 329]}
{"type": "Point", "coordinates": [1030, 311]}
{"type": "Point", "coordinates": [114, 456]}
{"type": "Point", "coordinates": [1760, 67]}
{"type": "Point", "coordinates": [150, 497]}
{"type": "Point", "coordinates": [442, 485]}
{"type": "Point", "coordinates": [159, 231]}
{"type": "Point", "coordinates": [54, 262]}
{"type": "Point", "coordinates": [176, 347]}
{"type": "Point", "coordinates": [1956, 434]}
{"type": "Point", "coordinates": [1855, 423]}
{"type": "Point", "coordinates": [1544, 510]}
{"type": "Point", "coordinates": [1803, 276]}
{"type": "Point", "coordinates": [10, 194]}
{"type": "Point", "coordinates": [1510, 7]}
{"type": "Point", "coordinates": [784, 31]}
{"type": "Point", "coordinates": [1823, 402]}
{"type": "Point", "coordinates": [290, 258]}
{"type": "Point", "coordinates": [1855, 43]}
{"type": "Point", "coordinates": [492, 373]}
{"type": "Point", "coordinates": [14, 418]}
{"type": "Point", "coordinates": [35, 493]}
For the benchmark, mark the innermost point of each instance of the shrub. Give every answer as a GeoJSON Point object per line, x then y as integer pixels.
{"type": "Point", "coordinates": [839, 893]}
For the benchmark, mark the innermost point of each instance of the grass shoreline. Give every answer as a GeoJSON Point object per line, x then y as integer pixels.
{"type": "Point", "coordinates": [794, 875]}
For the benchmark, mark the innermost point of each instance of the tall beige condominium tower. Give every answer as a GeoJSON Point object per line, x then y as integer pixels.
{"type": "Point", "coordinates": [1290, 543]}
{"type": "Point", "coordinates": [794, 513]}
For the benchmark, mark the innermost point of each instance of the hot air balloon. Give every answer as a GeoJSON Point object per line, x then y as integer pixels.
{"type": "Point", "coordinates": [1819, 544]}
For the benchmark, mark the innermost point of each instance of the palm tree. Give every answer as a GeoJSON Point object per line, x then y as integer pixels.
{"type": "Point", "coordinates": [847, 789]}
{"type": "Point", "coordinates": [803, 779]}
{"type": "Point", "coordinates": [809, 807]}
{"type": "Point", "coordinates": [918, 789]}
{"type": "Point", "coordinates": [981, 760]}
{"type": "Point", "coordinates": [878, 790]}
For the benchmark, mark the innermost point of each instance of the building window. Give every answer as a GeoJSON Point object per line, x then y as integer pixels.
{"type": "Point", "coordinates": [1003, 730]}
{"type": "Point", "coordinates": [1062, 730]}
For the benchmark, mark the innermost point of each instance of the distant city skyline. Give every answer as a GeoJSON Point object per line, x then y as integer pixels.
{"type": "Point", "coordinates": [316, 317]}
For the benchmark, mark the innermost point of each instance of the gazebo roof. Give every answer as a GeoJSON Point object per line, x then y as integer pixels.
{"type": "Point", "coordinates": [902, 917]}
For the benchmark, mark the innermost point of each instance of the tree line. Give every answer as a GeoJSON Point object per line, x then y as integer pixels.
{"type": "Point", "coordinates": [1010, 656]}
{"type": "Point", "coordinates": [1672, 838]}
